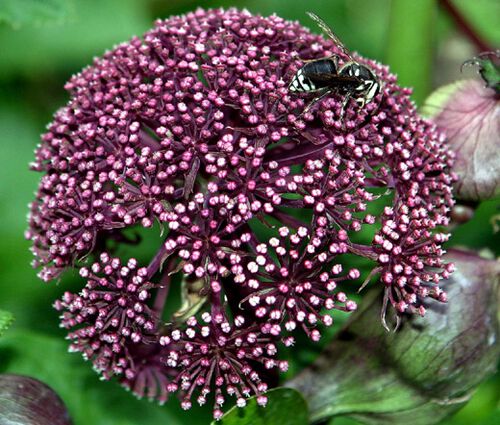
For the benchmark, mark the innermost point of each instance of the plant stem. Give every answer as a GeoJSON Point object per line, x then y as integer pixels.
{"type": "Point", "coordinates": [157, 260]}
{"type": "Point", "coordinates": [465, 27]}
{"type": "Point", "coordinates": [161, 295]}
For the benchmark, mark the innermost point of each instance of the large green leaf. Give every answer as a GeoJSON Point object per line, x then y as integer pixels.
{"type": "Point", "coordinates": [95, 25]}
{"type": "Point", "coordinates": [285, 406]}
{"type": "Point", "coordinates": [34, 12]}
{"type": "Point", "coordinates": [483, 16]}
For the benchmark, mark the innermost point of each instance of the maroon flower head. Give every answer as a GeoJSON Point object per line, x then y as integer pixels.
{"type": "Point", "coordinates": [109, 314]}
{"type": "Point", "coordinates": [220, 355]}
{"type": "Point", "coordinates": [261, 198]}
{"type": "Point", "coordinates": [291, 281]}
{"type": "Point", "coordinates": [149, 376]}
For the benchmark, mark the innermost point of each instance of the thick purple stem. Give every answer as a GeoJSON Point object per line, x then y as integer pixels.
{"type": "Point", "coordinates": [291, 154]}
{"type": "Point", "coordinates": [465, 26]}
{"type": "Point", "coordinates": [363, 251]}
{"type": "Point", "coordinates": [161, 296]}
{"type": "Point", "coordinates": [288, 219]}
{"type": "Point", "coordinates": [157, 261]}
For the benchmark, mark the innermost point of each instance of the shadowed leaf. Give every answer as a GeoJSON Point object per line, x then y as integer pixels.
{"type": "Point", "coordinates": [420, 374]}
{"type": "Point", "coordinates": [285, 406]}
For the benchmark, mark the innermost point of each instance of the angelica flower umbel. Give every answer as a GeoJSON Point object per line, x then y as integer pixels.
{"type": "Point", "coordinates": [193, 127]}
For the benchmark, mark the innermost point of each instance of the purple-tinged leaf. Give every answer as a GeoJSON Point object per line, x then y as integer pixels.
{"type": "Point", "coordinates": [28, 401]}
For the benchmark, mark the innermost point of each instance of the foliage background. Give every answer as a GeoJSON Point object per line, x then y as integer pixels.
{"type": "Point", "coordinates": [43, 42]}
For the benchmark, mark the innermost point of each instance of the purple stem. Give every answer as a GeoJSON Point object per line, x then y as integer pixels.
{"type": "Point", "coordinates": [288, 219]}
{"type": "Point", "coordinates": [149, 140]}
{"type": "Point", "coordinates": [157, 261]}
{"type": "Point", "coordinates": [216, 305]}
{"type": "Point", "coordinates": [363, 251]}
{"type": "Point", "coordinates": [161, 296]}
{"type": "Point", "coordinates": [291, 154]}
{"type": "Point", "coordinates": [465, 26]}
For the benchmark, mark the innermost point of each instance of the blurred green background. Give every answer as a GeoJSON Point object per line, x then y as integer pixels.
{"type": "Point", "coordinates": [43, 42]}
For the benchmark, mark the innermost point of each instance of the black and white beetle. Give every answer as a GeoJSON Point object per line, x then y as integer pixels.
{"type": "Point", "coordinates": [325, 76]}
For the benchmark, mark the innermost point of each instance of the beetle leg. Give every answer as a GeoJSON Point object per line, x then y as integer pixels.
{"type": "Point", "coordinates": [316, 100]}
{"type": "Point", "coordinates": [347, 97]}
{"type": "Point", "coordinates": [334, 58]}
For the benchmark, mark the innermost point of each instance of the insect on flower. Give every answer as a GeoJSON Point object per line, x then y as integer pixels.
{"type": "Point", "coordinates": [325, 76]}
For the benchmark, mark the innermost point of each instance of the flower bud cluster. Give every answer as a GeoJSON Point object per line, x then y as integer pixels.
{"type": "Point", "coordinates": [193, 127]}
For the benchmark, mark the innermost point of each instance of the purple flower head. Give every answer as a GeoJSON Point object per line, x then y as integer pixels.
{"type": "Point", "coordinates": [193, 127]}
{"type": "Point", "coordinates": [291, 279]}
{"type": "Point", "coordinates": [109, 314]}
{"type": "Point", "coordinates": [149, 376]}
{"type": "Point", "coordinates": [217, 355]}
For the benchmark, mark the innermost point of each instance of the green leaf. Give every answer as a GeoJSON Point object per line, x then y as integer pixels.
{"type": "Point", "coordinates": [482, 15]}
{"type": "Point", "coordinates": [6, 320]}
{"type": "Point", "coordinates": [435, 102]}
{"type": "Point", "coordinates": [88, 399]}
{"type": "Point", "coordinates": [35, 12]}
{"type": "Point", "coordinates": [410, 44]}
{"type": "Point", "coordinates": [285, 406]}
{"type": "Point", "coordinates": [94, 26]}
